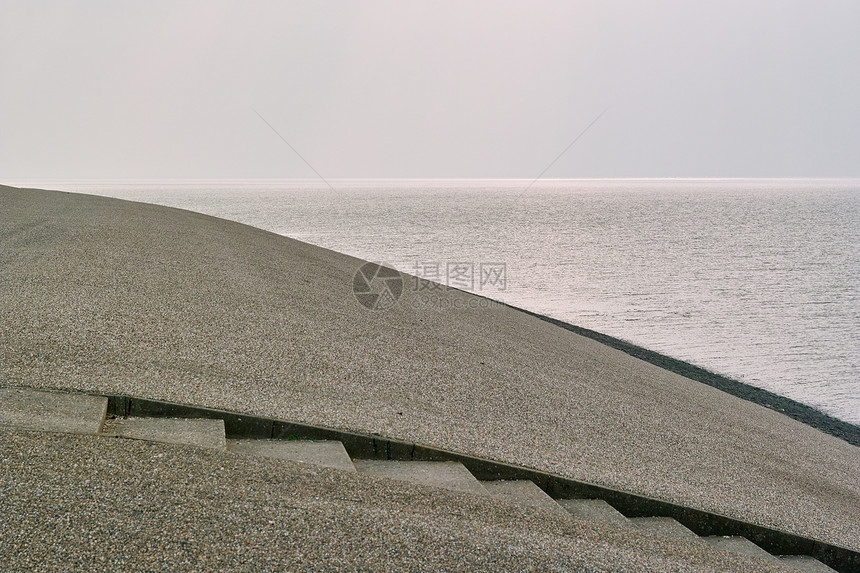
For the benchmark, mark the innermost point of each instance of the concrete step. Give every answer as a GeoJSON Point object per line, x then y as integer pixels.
{"type": "Point", "coordinates": [201, 432]}
{"type": "Point", "coordinates": [595, 509]}
{"type": "Point", "coordinates": [448, 475]}
{"type": "Point", "coordinates": [52, 412]}
{"type": "Point", "coordinates": [806, 563]}
{"type": "Point", "coordinates": [664, 526]}
{"type": "Point", "coordinates": [741, 545]}
{"type": "Point", "coordinates": [327, 453]}
{"type": "Point", "coordinates": [521, 492]}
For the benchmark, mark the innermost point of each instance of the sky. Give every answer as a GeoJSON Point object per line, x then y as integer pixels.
{"type": "Point", "coordinates": [446, 89]}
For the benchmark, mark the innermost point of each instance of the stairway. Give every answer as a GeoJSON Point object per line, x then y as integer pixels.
{"type": "Point", "coordinates": [52, 412]}
{"type": "Point", "coordinates": [448, 475]}
{"type": "Point", "coordinates": [85, 414]}
{"type": "Point", "coordinates": [737, 544]}
{"type": "Point", "coordinates": [665, 526]}
{"type": "Point", "coordinates": [198, 432]}
{"type": "Point", "coordinates": [521, 492]}
{"type": "Point", "coordinates": [326, 453]}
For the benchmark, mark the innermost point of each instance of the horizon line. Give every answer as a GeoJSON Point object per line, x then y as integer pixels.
{"type": "Point", "coordinates": [18, 180]}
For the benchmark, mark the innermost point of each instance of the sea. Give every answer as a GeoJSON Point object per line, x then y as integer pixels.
{"type": "Point", "coordinates": [755, 279]}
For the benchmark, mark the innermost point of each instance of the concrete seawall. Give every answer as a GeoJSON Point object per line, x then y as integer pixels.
{"type": "Point", "coordinates": [110, 296]}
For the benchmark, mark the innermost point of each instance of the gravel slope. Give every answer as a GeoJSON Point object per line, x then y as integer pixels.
{"type": "Point", "coordinates": [105, 295]}
{"type": "Point", "coordinates": [98, 504]}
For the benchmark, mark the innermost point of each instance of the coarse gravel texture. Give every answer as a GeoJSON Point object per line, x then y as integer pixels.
{"type": "Point", "coordinates": [104, 295]}
{"type": "Point", "coordinates": [86, 503]}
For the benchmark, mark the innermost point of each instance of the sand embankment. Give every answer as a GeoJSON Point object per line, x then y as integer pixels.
{"type": "Point", "coordinates": [105, 295]}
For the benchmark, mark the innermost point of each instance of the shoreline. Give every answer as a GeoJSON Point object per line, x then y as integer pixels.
{"type": "Point", "coordinates": [795, 410]}
{"type": "Point", "coordinates": [798, 411]}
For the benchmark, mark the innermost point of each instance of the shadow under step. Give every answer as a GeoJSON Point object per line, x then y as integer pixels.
{"type": "Point", "coordinates": [594, 509]}
{"type": "Point", "coordinates": [663, 526]}
{"type": "Point", "coordinates": [52, 412]}
{"type": "Point", "coordinates": [521, 492]}
{"type": "Point", "coordinates": [806, 563]}
{"type": "Point", "coordinates": [326, 453]}
{"type": "Point", "coordinates": [200, 432]}
{"type": "Point", "coordinates": [740, 545]}
{"type": "Point", "coordinates": [447, 475]}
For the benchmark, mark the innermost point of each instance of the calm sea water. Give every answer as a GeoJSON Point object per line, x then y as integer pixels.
{"type": "Point", "coordinates": [755, 279]}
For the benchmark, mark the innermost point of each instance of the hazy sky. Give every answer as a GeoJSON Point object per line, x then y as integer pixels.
{"type": "Point", "coordinates": [695, 88]}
